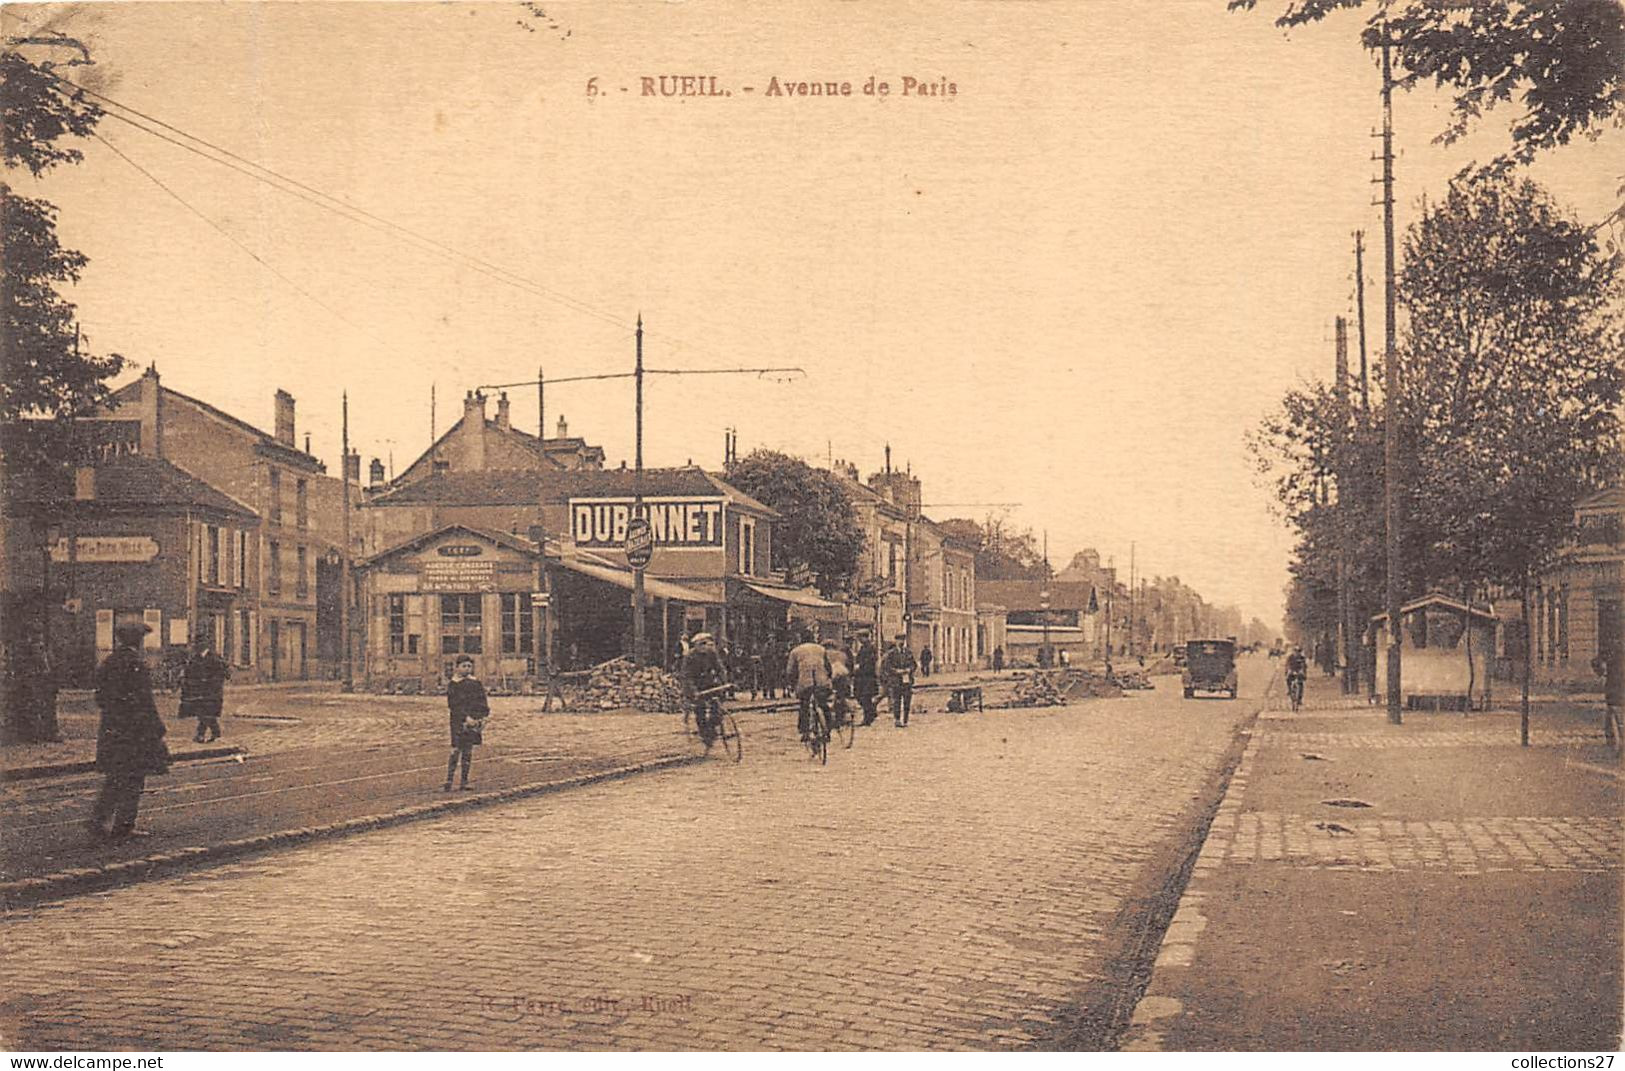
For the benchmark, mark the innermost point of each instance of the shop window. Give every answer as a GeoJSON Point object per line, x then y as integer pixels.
{"type": "Point", "coordinates": [397, 624]}
{"type": "Point", "coordinates": [301, 504]}
{"type": "Point", "coordinates": [518, 624]}
{"type": "Point", "coordinates": [273, 569]}
{"type": "Point", "coordinates": [1563, 624]}
{"type": "Point", "coordinates": [460, 625]}
{"type": "Point", "coordinates": [301, 582]}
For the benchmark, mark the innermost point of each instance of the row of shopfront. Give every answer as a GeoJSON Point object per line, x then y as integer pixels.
{"type": "Point", "coordinates": [449, 574]}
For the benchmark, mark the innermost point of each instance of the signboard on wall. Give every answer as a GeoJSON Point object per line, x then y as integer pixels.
{"type": "Point", "coordinates": [674, 523]}
{"type": "Point", "coordinates": [458, 574]}
{"type": "Point", "coordinates": [102, 548]}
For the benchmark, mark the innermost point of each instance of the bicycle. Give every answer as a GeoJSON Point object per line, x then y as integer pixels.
{"type": "Point", "coordinates": [819, 721]}
{"type": "Point", "coordinates": [1294, 691]}
{"type": "Point", "coordinates": [842, 721]}
{"type": "Point", "coordinates": [720, 722]}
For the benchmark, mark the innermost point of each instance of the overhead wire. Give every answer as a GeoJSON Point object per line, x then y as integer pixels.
{"type": "Point", "coordinates": [339, 206]}
{"type": "Point", "coordinates": [239, 243]}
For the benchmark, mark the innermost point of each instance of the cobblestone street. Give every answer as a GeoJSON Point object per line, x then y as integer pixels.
{"type": "Point", "coordinates": [959, 884]}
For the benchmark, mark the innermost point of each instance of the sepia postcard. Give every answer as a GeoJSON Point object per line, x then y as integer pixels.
{"type": "Point", "coordinates": [1083, 525]}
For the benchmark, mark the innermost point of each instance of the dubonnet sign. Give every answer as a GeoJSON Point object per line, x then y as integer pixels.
{"type": "Point", "coordinates": [673, 522]}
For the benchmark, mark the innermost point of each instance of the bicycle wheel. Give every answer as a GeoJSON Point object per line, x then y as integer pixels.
{"type": "Point", "coordinates": [818, 738]}
{"type": "Point", "coordinates": [846, 727]}
{"type": "Point", "coordinates": [732, 743]}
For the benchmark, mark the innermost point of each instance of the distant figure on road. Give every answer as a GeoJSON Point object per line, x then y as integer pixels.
{"type": "Point", "coordinates": [1066, 659]}
{"type": "Point", "coordinates": [465, 698]}
{"type": "Point", "coordinates": [925, 660]}
{"type": "Point", "coordinates": [866, 680]}
{"type": "Point", "coordinates": [203, 690]}
{"type": "Point", "coordinates": [898, 670]}
{"type": "Point", "coordinates": [998, 659]}
{"type": "Point", "coordinates": [130, 744]}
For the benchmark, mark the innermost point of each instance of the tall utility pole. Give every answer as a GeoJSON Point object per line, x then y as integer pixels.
{"type": "Point", "coordinates": [1133, 603]}
{"type": "Point", "coordinates": [1359, 309]}
{"type": "Point", "coordinates": [344, 554]}
{"type": "Point", "coordinates": [639, 649]}
{"type": "Point", "coordinates": [1390, 388]}
{"type": "Point", "coordinates": [541, 412]}
{"type": "Point", "coordinates": [1340, 477]}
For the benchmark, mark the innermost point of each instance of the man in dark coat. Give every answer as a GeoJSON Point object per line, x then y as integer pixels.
{"type": "Point", "coordinates": [130, 744]}
{"type": "Point", "coordinates": [866, 679]}
{"type": "Point", "coordinates": [203, 690]}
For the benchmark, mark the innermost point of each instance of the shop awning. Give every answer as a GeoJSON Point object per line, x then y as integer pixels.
{"type": "Point", "coordinates": [652, 587]}
{"type": "Point", "coordinates": [794, 596]}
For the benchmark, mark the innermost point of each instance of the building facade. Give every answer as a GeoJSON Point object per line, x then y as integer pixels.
{"type": "Point", "coordinates": [299, 507]}
{"type": "Point", "coordinates": [1576, 605]}
{"type": "Point", "coordinates": [134, 540]}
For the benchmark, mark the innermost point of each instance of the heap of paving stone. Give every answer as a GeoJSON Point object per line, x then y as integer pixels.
{"type": "Point", "coordinates": [1049, 688]}
{"type": "Point", "coordinates": [1132, 680]}
{"type": "Point", "coordinates": [617, 684]}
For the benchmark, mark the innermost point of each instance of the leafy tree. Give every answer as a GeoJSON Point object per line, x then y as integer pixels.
{"type": "Point", "coordinates": [1514, 368]}
{"type": "Point", "coordinates": [819, 538]}
{"type": "Point", "coordinates": [1564, 59]}
{"type": "Point", "coordinates": [46, 370]}
{"type": "Point", "coordinates": [1513, 375]}
{"type": "Point", "coordinates": [1003, 552]}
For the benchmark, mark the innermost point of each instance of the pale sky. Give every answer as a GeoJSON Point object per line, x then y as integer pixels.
{"type": "Point", "coordinates": [1074, 285]}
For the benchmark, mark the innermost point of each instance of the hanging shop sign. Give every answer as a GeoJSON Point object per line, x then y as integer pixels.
{"type": "Point", "coordinates": [673, 522]}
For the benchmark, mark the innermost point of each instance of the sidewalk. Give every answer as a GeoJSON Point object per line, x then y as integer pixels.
{"type": "Point", "coordinates": [1430, 886]}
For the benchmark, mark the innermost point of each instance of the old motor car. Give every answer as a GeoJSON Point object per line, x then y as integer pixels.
{"type": "Point", "coordinates": [1210, 666]}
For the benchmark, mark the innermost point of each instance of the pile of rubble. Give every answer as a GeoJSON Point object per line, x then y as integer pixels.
{"type": "Point", "coordinates": [1131, 680]}
{"type": "Point", "coordinates": [617, 684]}
{"type": "Point", "coordinates": [1049, 688]}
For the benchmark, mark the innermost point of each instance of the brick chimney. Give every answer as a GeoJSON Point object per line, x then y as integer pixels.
{"type": "Point", "coordinates": [502, 411]}
{"type": "Point", "coordinates": [352, 465]}
{"type": "Point", "coordinates": [150, 407]}
{"type": "Point", "coordinates": [564, 429]}
{"type": "Point", "coordinates": [375, 473]}
{"type": "Point", "coordinates": [284, 418]}
{"type": "Point", "coordinates": [472, 431]}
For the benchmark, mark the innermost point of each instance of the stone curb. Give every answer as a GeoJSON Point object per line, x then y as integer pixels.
{"type": "Point", "coordinates": [26, 892]}
{"type": "Point", "coordinates": [1147, 1026]}
{"type": "Point", "coordinates": [63, 769]}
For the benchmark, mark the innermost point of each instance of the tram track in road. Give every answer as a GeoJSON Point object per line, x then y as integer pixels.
{"type": "Point", "coordinates": [199, 806]}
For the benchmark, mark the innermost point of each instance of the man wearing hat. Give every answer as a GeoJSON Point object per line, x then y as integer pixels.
{"type": "Point", "coordinates": [130, 743]}
{"type": "Point", "coordinates": [704, 670]}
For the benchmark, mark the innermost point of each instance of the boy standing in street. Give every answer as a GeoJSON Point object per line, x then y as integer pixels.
{"type": "Point", "coordinates": [465, 697]}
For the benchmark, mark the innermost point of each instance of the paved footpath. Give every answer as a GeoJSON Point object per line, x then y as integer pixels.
{"type": "Point", "coordinates": [971, 882]}
{"type": "Point", "coordinates": [1431, 885]}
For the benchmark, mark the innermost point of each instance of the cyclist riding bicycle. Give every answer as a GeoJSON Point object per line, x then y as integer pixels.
{"type": "Point", "coordinates": [1297, 671]}
{"type": "Point", "coordinates": [704, 670]}
{"type": "Point", "coordinates": [809, 668]}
